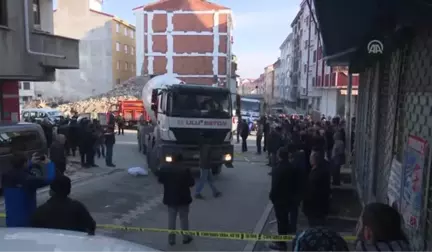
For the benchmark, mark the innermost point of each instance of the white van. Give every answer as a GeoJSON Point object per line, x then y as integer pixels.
{"type": "Point", "coordinates": [39, 113]}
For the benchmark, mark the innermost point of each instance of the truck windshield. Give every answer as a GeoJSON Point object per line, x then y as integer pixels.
{"type": "Point", "coordinates": [250, 106]}
{"type": "Point", "coordinates": [205, 105]}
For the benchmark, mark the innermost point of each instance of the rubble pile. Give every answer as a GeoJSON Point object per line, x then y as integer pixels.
{"type": "Point", "coordinates": [129, 90]}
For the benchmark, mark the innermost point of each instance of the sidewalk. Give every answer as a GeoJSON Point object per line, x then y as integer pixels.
{"type": "Point", "coordinates": [344, 212]}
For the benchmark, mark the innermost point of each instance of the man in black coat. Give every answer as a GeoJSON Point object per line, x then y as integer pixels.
{"type": "Point", "coordinates": [316, 201]}
{"type": "Point", "coordinates": [177, 197]}
{"type": "Point", "coordinates": [285, 193]}
{"type": "Point", "coordinates": [244, 135]}
{"type": "Point", "coordinates": [62, 212]}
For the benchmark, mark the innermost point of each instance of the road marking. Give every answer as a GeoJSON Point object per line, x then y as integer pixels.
{"type": "Point", "coordinates": [250, 246]}
{"type": "Point", "coordinates": [139, 210]}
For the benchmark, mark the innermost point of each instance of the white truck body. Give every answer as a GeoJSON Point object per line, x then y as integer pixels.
{"type": "Point", "coordinates": [175, 134]}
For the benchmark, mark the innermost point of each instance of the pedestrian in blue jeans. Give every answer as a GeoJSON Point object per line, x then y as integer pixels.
{"type": "Point", "coordinates": [206, 173]}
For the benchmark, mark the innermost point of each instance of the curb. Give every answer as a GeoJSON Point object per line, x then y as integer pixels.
{"type": "Point", "coordinates": [46, 188]}
{"type": "Point", "coordinates": [250, 246]}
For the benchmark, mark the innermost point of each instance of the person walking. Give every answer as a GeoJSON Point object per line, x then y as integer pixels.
{"type": "Point", "coordinates": [259, 135]}
{"type": "Point", "coordinates": [109, 144]}
{"type": "Point", "coordinates": [206, 176]}
{"type": "Point", "coordinates": [285, 194]}
{"type": "Point", "coordinates": [244, 135]}
{"type": "Point", "coordinates": [177, 197]}
{"type": "Point", "coordinates": [316, 201]}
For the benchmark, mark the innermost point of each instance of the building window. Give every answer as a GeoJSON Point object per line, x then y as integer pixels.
{"type": "Point", "coordinates": [118, 81]}
{"type": "Point", "coordinates": [314, 56]}
{"type": "Point", "coordinates": [132, 35]}
{"type": "Point", "coordinates": [36, 14]}
{"type": "Point", "coordinates": [125, 48]}
{"type": "Point", "coordinates": [305, 68]}
{"type": "Point", "coordinates": [26, 85]}
{"type": "Point", "coordinates": [118, 46]}
{"type": "Point", "coordinates": [117, 27]}
{"type": "Point", "coordinates": [313, 81]}
{"type": "Point", "coordinates": [126, 66]}
{"type": "Point", "coordinates": [132, 50]}
{"type": "Point", "coordinates": [126, 31]}
{"type": "Point", "coordinates": [118, 65]}
{"type": "Point", "coordinates": [3, 13]}
{"type": "Point", "coordinates": [305, 44]}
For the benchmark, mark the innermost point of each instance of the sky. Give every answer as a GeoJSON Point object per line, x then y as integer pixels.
{"type": "Point", "coordinates": [260, 27]}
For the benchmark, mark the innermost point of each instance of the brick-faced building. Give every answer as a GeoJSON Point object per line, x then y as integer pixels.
{"type": "Point", "coordinates": [187, 38]}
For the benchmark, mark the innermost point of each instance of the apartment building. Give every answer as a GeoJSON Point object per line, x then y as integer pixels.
{"type": "Point", "coordinates": [287, 89]}
{"type": "Point", "coordinates": [190, 39]}
{"type": "Point", "coordinates": [321, 88]}
{"type": "Point", "coordinates": [269, 81]}
{"type": "Point", "coordinates": [30, 51]}
{"type": "Point", "coordinates": [106, 49]}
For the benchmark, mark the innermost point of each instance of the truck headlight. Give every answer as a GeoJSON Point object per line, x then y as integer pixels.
{"type": "Point", "coordinates": [168, 159]}
{"type": "Point", "coordinates": [227, 157]}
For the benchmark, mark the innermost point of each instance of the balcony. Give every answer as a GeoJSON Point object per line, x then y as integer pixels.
{"type": "Point", "coordinates": [44, 42]}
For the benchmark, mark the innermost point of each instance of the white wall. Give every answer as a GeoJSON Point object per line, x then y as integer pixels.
{"type": "Point", "coordinates": [328, 104]}
{"type": "Point", "coordinates": [95, 73]}
{"type": "Point", "coordinates": [95, 5]}
{"type": "Point", "coordinates": [139, 40]}
{"type": "Point", "coordinates": [46, 13]}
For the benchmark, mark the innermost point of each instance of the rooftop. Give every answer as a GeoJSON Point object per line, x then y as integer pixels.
{"type": "Point", "coordinates": [185, 5]}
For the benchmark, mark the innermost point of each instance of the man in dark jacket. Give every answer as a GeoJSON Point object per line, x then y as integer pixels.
{"type": "Point", "coordinates": [73, 137]}
{"type": "Point", "coordinates": [285, 194]}
{"type": "Point", "coordinates": [274, 143]}
{"type": "Point", "coordinates": [120, 124]}
{"type": "Point", "coordinates": [244, 135]}
{"type": "Point", "coordinates": [62, 212]}
{"type": "Point", "coordinates": [177, 197]}
{"type": "Point", "coordinates": [316, 202]}
{"type": "Point", "coordinates": [57, 153]}
{"type": "Point", "coordinates": [109, 144]}
{"type": "Point", "coordinates": [20, 185]}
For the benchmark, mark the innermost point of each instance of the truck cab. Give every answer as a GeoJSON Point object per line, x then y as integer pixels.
{"type": "Point", "coordinates": [188, 116]}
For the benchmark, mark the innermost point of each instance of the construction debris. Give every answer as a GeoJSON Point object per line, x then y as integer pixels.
{"type": "Point", "coordinates": [129, 90]}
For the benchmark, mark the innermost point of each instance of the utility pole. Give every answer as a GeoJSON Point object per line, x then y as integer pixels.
{"type": "Point", "coordinates": [308, 62]}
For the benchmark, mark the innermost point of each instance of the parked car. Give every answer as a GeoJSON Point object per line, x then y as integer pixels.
{"type": "Point", "coordinates": [38, 239]}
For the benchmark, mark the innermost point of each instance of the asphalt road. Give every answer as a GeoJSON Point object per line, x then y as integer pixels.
{"type": "Point", "coordinates": [119, 198]}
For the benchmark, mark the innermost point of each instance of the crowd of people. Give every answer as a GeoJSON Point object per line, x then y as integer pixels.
{"type": "Point", "coordinates": [72, 136]}
{"type": "Point", "coordinates": [305, 159]}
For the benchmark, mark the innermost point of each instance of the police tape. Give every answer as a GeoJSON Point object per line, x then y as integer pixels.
{"type": "Point", "coordinates": [207, 234]}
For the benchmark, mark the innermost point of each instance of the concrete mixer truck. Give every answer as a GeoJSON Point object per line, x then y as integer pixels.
{"type": "Point", "coordinates": [184, 116]}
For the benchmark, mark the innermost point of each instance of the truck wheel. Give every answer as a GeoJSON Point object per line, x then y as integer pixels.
{"type": "Point", "coordinates": [217, 170]}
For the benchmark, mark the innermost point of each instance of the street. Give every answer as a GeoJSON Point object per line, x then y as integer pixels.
{"type": "Point", "coordinates": [115, 197]}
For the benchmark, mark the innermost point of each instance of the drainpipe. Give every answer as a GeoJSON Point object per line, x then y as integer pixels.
{"type": "Point", "coordinates": [348, 119]}
{"type": "Point", "coordinates": [308, 62]}
{"type": "Point", "coordinates": [27, 35]}
{"type": "Point", "coordinates": [316, 68]}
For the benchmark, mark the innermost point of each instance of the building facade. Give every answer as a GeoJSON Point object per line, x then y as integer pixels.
{"type": "Point", "coordinates": [259, 83]}
{"type": "Point", "coordinates": [26, 92]}
{"type": "Point", "coordinates": [269, 84]}
{"type": "Point", "coordinates": [289, 92]}
{"type": "Point", "coordinates": [278, 88]}
{"type": "Point", "coordinates": [190, 39]}
{"type": "Point", "coordinates": [245, 86]}
{"type": "Point", "coordinates": [107, 50]}
{"type": "Point", "coordinates": [30, 51]}
{"type": "Point", "coordinates": [321, 88]}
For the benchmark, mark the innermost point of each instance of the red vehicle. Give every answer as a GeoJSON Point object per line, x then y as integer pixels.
{"type": "Point", "coordinates": [130, 110]}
